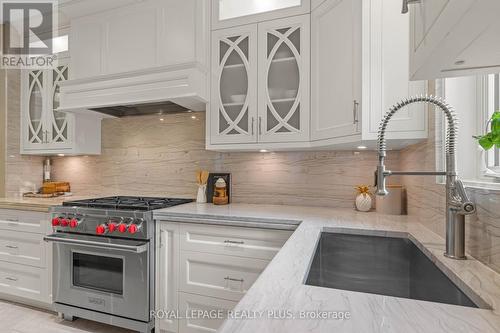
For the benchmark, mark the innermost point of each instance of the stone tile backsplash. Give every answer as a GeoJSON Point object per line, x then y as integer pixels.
{"type": "Point", "coordinates": [146, 156]}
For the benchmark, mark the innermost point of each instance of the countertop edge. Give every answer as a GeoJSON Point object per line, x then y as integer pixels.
{"type": "Point", "coordinates": [27, 207]}
{"type": "Point", "coordinates": [231, 223]}
{"type": "Point", "coordinates": [247, 222]}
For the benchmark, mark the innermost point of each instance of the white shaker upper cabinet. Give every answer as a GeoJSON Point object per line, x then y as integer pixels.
{"type": "Point", "coordinates": [138, 36]}
{"type": "Point", "coordinates": [359, 70]}
{"type": "Point", "coordinates": [336, 70]}
{"type": "Point", "coordinates": [453, 38]}
{"type": "Point", "coordinates": [229, 13]}
{"type": "Point", "coordinates": [385, 77]}
{"type": "Point", "coordinates": [283, 83]}
{"type": "Point", "coordinates": [233, 113]}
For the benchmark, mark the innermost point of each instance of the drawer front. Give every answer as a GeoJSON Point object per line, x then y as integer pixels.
{"type": "Point", "coordinates": [19, 220]}
{"type": "Point", "coordinates": [234, 241]}
{"type": "Point", "coordinates": [218, 275]}
{"type": "Point", "coordinates": [23, 248]}
{"type": "Point", "coordinates": [24, 281]}
{"type": "Point", "coordinates": [189, 304]}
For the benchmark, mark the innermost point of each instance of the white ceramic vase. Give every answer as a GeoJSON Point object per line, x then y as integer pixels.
{"type": "Point", "coordinates": [202, 194]}
{"type": "Point", "coordinates": [363, 202]}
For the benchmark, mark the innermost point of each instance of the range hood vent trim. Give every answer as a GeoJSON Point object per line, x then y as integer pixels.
{"type": "Point", "coordinates": [141, 109]}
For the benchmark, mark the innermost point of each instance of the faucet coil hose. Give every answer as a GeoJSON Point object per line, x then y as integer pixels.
{"type": "Point", "coordinates": [451, 117]}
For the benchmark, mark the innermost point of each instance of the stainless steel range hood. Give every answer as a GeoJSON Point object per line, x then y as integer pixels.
{"type": "Point", "coordinates": [141, 109]}
{"type": "Point", "coordinates": [171, 88]}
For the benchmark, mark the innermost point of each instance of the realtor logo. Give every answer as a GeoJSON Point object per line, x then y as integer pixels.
{"type": "Point", "coordinates": [27, 35]}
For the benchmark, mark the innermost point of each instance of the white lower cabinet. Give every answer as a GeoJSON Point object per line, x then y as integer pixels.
{"type": "Point", "coordinates": [217, 275]}
{"type": "Point", "coordinates": [191, 304]}
{"type": "Point", "coordinates": [231, 241]}
{"type": "Point", "coordinates": [24, 281]}
{"type": "Point", "coordinates": [24, 221]}
{"type": "Point", "coordinates": [25, 259]}
{"type": "Point", "coordinates": [166, 276]}
{"type": "Point", "coordinates": [23, 248]}
{"type": "Point", "coordinates": [207, 267]}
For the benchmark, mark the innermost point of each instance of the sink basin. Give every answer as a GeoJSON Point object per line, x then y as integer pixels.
{"type": "Point", "coordinates": [381, 265]}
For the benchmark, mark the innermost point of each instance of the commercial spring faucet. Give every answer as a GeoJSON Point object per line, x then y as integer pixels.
{"type": "Point", "coordinates": [457, 201]}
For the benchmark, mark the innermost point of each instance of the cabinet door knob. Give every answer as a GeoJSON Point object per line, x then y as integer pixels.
{"type": "Point", "coordinates": [406, 3]}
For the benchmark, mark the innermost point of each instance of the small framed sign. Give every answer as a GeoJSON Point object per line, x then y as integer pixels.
{"type": "Point", "coordinates": [212, 178]}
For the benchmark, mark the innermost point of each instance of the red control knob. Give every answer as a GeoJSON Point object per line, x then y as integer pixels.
{"type": "Point", "coordinates": [133, 228]}
{"type": "Point", "coordinates": [64, 222]}
{"type": "Point", "coordinates": [112, 227]}
{"type": "Point", "coordinates": [74, 223]}
{"type": "Point", "coordinates": [122, 227]}
{"type": "Point", "coordinates": [56, 221]}
{"type": "Point", "coordinates": [100, 229]}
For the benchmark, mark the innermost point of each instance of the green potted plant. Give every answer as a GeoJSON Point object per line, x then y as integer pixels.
{"type": "Point", "coordinates": [489, 140]}
{"type": "Point", "coordinates": [492, 138]}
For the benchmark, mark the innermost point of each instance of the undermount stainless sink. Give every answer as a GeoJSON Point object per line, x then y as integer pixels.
{"type": "Point", "coordinates": [381, 265]}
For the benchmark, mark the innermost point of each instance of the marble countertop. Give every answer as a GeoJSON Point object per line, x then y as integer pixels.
{"type": "Point", "coordinates": [35, 204]}
{"type": "Point", "coordinates": [281, 286]}
{"type": "Point", "coordinates": [234, 215]}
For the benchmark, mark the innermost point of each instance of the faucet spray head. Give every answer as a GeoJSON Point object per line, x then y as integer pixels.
{"type": "Point", "coordinates": [381, 188]}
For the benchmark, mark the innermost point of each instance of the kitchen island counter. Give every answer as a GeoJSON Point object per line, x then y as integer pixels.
{"type": "Point", "coordinates": [280, 290]}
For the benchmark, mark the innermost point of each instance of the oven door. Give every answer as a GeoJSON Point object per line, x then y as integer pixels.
{"type": "Point", "coordinates": [102, 274]}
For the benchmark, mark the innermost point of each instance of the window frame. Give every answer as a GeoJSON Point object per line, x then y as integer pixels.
{"type": "Point", "coordinates": [483, 176]}
{"type": "Point", "coordinates": [492, 105]}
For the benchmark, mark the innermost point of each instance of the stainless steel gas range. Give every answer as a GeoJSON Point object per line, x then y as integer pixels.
{"type": "Point", "coordinates": [104, 259]}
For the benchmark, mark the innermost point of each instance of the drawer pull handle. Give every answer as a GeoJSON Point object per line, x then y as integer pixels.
{"type": "Point", "coordinates": [10, 278]}
{"type": "Point", "coordinates": [11, 246]}
{"type": "Point", "coordinates": [227, 241]}
{"type": "Point", "coordinates": [227, 278]}
{"type": "Point", "coordinates": [12, 220]}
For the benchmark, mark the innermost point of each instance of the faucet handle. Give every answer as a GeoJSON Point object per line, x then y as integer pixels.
{"type": "Point", "coordinates": [468, 208]}
{"type": "Point", "coordinates": [465, 206]}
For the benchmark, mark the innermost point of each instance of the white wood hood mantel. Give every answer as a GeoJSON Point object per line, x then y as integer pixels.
{"type": "Point", "coordinates": [181, 84]}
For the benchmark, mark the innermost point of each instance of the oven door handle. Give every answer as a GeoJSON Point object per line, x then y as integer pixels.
{"type": "Point", "coordinates": [141, 248]}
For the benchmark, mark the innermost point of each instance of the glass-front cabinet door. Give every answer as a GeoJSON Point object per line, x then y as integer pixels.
{"type": "Point", "coordinates": [234, 85]}
{"type": "Point", "coordinates": [34, 133]}
{"type": "Point", "coordinates": [58, 122]}
{"type": "Point", "coordinates": [43, 128]}
{"type": "Point", "coordinates": [284, 80]}
{"type": "Point", "coordinates": [227, 13]}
